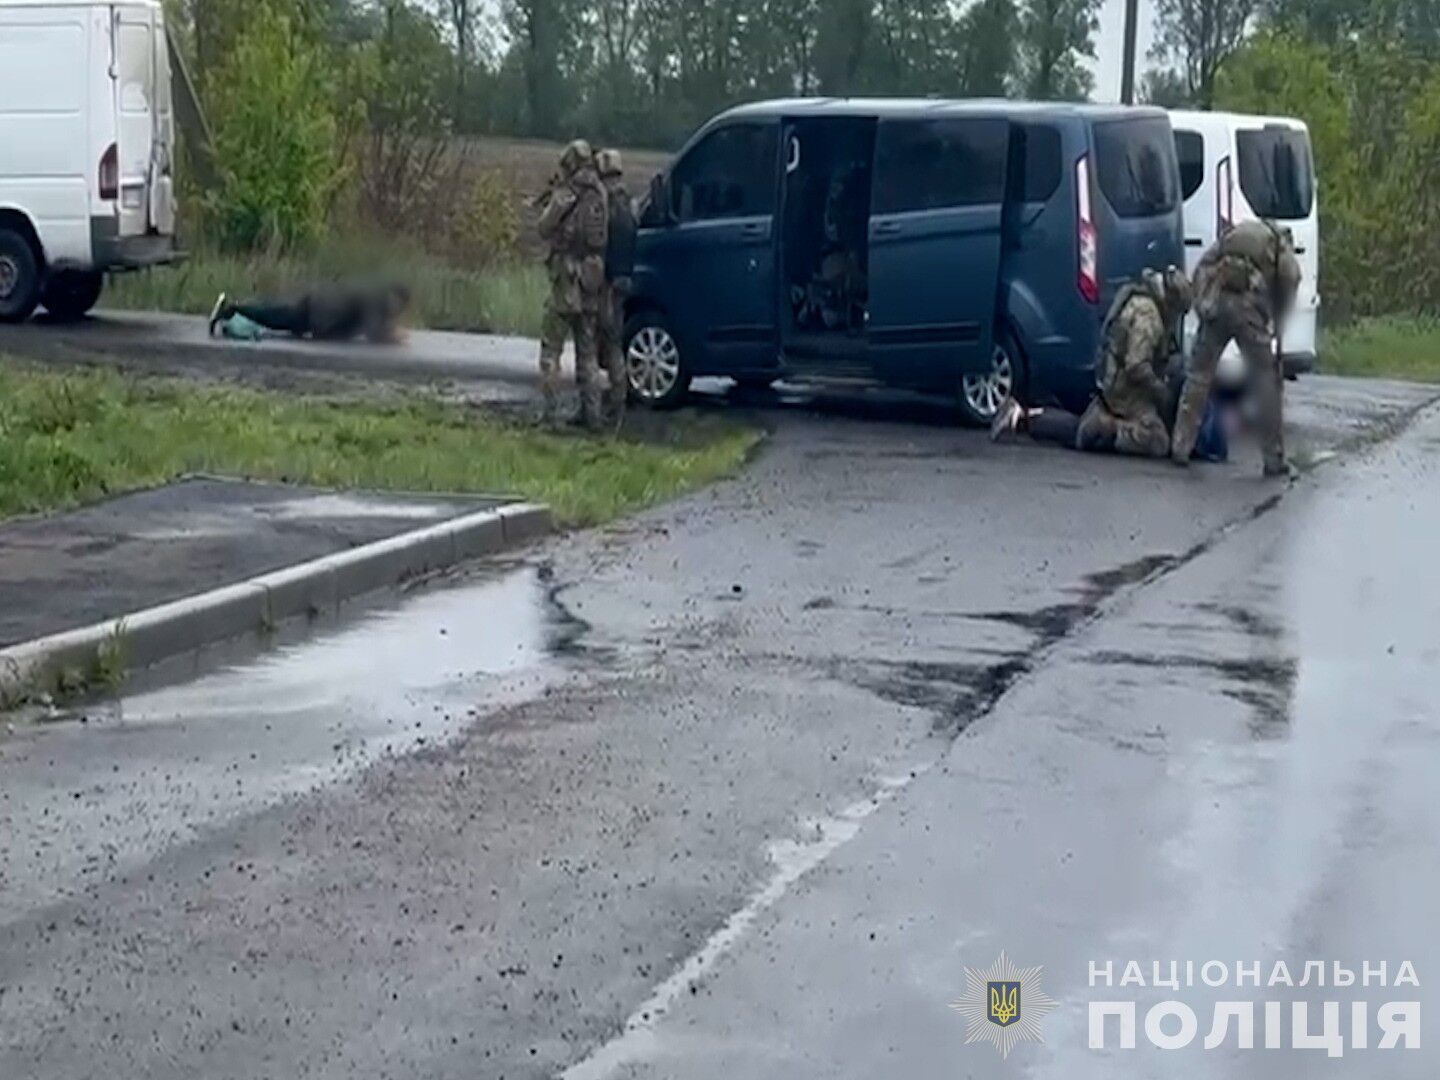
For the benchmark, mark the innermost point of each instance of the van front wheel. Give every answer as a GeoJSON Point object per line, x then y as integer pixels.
{"type": "Point", "coordinates": [19, 277]}
{"type": "Point", "coordinates": [982, 393]}
{"type": "Point", "coordinates": [654, 366]}
{"type": "Point", "coordinates": [70, 294]}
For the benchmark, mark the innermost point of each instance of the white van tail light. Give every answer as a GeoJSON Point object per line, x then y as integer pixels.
{"type": "Point", "coordinates": [110, 172]}
{"type": "Point", "coordinates": [1224, 198]}
{"type": "Point", "coordinates": [1087, 278]}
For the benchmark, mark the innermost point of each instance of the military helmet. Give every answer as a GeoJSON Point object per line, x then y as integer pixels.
{"type": "Point", "coordinates": [608, 162]}
{"type": "Point", "coordinates": [577, 155]}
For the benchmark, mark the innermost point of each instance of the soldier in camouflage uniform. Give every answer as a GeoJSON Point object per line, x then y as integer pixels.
{"type": "Point", "coordinates": [1245, 286]}
{"type": "Point", "coordinates": [612, 308]}
{"type": "Point", "coordinates": [573, 224]}
{"type": "Point", "coordinates": [1127, 413]}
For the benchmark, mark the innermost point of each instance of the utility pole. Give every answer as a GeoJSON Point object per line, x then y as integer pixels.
{"type": "Point", "coordinates": [1127, 63]}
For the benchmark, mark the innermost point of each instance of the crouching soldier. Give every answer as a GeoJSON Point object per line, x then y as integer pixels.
{"type": "Point", "coordinates": [573, 219]}
{"type": "Point", "coordinates": [1245, 286]}
{"type": "Point", "coordinates": [1128, 412]}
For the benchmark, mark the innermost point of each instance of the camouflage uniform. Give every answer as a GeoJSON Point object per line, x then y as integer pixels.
{"type": "Point", "coordinates": [1127, 412]}
{"type": "Point", "coordinates": [573, 224]}
{"type": "Point", "coordinates": [1245, 285]}
{"type": "Point", "coordinates": [612, 309]}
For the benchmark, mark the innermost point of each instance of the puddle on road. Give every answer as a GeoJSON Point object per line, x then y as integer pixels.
{"type": "Point", "coordinates": [162, 766]}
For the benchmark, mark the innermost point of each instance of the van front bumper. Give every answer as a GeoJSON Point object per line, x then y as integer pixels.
{"type": "Point", "coordinates": [112, 251]}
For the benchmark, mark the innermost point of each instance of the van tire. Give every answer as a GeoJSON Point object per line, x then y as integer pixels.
{"type": "Point", "coordinates": [70, 294]}
{"type": "Point", "coordinates": [656, 373]}
{"type": "Point", "coordinates": [19, 277]}
{"type": "Point", "coordinates": [1008, 374]}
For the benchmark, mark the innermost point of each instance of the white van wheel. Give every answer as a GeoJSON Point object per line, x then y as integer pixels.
{"type": "Point", "coordinates": [981, 394]}
{"type": "Point", "coordinates": [19, 277]}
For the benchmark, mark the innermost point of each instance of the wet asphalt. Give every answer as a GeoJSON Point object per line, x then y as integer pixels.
{"type": "Point", "coordinates": [742, 785]}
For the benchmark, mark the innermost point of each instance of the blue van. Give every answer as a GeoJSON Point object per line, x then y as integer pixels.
{"type": "Point", "coordinates": [966, 248]}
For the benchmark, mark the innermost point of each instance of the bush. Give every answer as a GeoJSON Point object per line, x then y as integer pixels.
{"type": "Point", "coordinates": [486, 230]}
{"type": "Point", "coordinates": [275, 136]}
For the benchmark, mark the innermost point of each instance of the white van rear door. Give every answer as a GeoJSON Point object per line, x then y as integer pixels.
{"type": "Point", "coordinates": [136, 108]}
{"type": "Point", "coordinates": [1197, 188]}
{"type": "Point", "coordinates": [162, 179]}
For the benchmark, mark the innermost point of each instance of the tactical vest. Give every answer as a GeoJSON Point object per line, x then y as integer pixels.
{"type": "Point", "coordinates": [1105, 362]}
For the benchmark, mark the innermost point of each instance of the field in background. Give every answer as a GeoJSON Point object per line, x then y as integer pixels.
{"type": "Point", "coordinates": [506, 298]}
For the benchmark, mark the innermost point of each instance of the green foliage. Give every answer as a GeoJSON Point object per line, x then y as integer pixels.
{"type": "Point", "coordinates": [140, 432]}
{"type": "Point", "coordinates": [485, 229]}
{"type": "Point", "coordinates": [271, 102]}
{"type": "Point", "coordinates": [1373, 108]}
{"type": "Point", "coordinates": [1391, 346]}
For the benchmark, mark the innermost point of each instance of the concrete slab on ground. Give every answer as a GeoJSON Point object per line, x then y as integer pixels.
{"type": "Point", "coordinates": [150, 547]}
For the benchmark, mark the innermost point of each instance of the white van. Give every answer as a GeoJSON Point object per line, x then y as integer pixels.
{"type": "Point", "coordinates": [1236, 168]}
{"type": "Point", "coordinates": [86, 138]}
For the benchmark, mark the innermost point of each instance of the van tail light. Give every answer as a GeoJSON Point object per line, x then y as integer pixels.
{"type": "Point", "coordinates": [1224, 198]}
{"type": "Point", "coordinates": [110, 172]}
{"type": "Point", "coordinates": [1087, 278]}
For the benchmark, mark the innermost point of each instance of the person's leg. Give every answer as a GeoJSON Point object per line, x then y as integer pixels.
{"type": "Point", "coordinates": [1215, 334]}
{"type": "Point", "coordinates": [612, 355]}
{"type": "Point", "coordinates": [1143, 436]}
{"type": "Point", "coordinates": [1096, 429]}
{"type": "Point", "coordinates": [1265, 382]}
{"type": "Point", "coordinates": [587, 371]}
{"type": "Point", "coordinates": [553, 330]}
{"type": "Point", "coordinates": [288, 317]}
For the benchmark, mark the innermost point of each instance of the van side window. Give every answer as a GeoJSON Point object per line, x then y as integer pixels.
{"type": "Point", "coordinates": [1034, 163]}
{"type": "Point", "coordinates": [728, 174]}
{"type": "Point", "coordinates": [934, 164]}
{"type": "Point", "coordinates": [1190, 150]}
{"type": "Point", "coordinates": [1275, 172]}
{"type": "Point", "coordinates": [1135, 163]}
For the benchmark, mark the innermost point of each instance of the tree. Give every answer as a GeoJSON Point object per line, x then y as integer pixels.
{"type": "Point", "coordinates": [539, 29]}
{"type": "Point", "coordinates": [985, 36]}
{"type": "Point", "coordinates": [841, 42]}
{"type": "Point", "coordinates": [1165, 87]}
{"type": "Point", "coordinates": [1054, 35]}
{"type": "Point", "coordinates": [1198, 36]}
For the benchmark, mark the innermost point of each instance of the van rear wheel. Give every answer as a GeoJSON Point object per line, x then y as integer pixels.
{"type": "Point", "coordinates": [70, 294]}
{"type": "Point", "coordinates": [19, 277]}
{"type": "Point", "coordinates": [982, 393]}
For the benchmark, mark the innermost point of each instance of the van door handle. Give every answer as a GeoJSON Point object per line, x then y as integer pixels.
{"type": "Point", "coordinates": [887, 228]}
{"type": "Point", "coordinates": [755, 228]}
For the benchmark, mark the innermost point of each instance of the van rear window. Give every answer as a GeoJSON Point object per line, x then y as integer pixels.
{"type": "Point", "coordinates": [1135, 163]}
{"type": "Point", "coordinates": [1190, 153]}
{"type": "Point", "coordinates": [1275, 172]}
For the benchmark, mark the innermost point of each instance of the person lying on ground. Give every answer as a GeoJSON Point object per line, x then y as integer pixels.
{"type": "Point", "coordinates": [1132, 409]}
{"type": "Point", "coordinates": [326, 313]}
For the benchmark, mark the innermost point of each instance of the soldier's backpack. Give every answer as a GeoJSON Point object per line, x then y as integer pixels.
{"type": "Point", "coordinates": [1105, 360]}
{"type": "Point", "coordinates": [620, 237]}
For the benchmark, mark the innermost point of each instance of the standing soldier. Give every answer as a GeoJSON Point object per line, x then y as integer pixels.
{"type": "Point", "coordinates": [573, 224]}
{"type": "Point", "coordinates": [619, 265]}
{"type": "Point", "coordinates": [1132, 396]}
{"type": "Point", "coordinates": [1245, 286]}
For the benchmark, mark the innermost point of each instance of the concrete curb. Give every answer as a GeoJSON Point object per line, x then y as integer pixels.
{"type": "Point", "coordinates": [317, 587]}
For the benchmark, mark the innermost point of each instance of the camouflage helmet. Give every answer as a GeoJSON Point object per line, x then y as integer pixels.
{"type": "Point", "coordinates": [609, 163]}
{"type": "Point", "coordinates": [576, 156]}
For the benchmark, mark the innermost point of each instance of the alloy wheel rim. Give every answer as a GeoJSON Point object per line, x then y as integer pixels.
{"type": "Point", "coordinates": [985, 393]}
{"type": "Point", "coordinates": [652, 363]}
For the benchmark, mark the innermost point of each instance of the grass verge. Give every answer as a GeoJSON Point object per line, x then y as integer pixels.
{"type": "Point", "coordinates": [1394, 346]}
{"type": "Point", "coordinates": [70, 438]}
{"type": "Point", "coordinates": [507, 299]}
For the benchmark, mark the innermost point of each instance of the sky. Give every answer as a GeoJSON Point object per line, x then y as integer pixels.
{"type": "Point", "coordinates": [1109, 45]}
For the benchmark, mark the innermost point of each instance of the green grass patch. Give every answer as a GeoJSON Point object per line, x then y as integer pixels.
{"type": "Point", "coordinates": [505, 299]}
{"type": "Point", "coordinates": [1393, 346]}
{"type": "Point", "coordinates": [67, 439]}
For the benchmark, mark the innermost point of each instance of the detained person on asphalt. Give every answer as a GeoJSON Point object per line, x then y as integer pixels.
{"type": "Point", "coordinates": [1133, 397]}
{"type": "Point", "coordinates": [327, 313]}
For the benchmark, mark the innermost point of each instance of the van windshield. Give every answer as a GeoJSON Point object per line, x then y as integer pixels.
{"type": "Point", "coordinates": [1275, 172]}
{"type": "Point", "coordinates": [1135, 164]}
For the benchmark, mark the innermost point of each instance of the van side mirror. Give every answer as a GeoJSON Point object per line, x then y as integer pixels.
{"type": "Point", "coordinates": [657, 206]}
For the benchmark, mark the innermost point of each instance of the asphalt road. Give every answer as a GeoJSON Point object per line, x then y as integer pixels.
{"type": "Point", "coordinates": [741, 786]}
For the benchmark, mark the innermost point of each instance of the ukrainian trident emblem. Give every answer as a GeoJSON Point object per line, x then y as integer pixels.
{"type": "Point", "coordinates": [1003, 1005]}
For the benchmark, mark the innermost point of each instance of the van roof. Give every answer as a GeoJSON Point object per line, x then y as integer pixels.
{"type": "Point", "coordinates": [1198, 119]}
{"type": "Point", "coordinates": [937, 107]}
